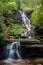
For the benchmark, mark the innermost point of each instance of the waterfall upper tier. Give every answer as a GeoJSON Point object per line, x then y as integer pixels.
{"type": "Point", "coordinates": [26, 24]}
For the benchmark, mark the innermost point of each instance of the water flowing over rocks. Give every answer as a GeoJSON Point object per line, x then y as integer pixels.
{"type": "Point", "coordinates": [29, 48]}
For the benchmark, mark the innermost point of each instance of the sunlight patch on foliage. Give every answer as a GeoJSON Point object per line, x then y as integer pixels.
{"type": "Point", "coordinates": [11, 5]}
{"type": "Point", "coordinates": [37, 17]}
{"type": "Point", "coordinates": [16, 29]}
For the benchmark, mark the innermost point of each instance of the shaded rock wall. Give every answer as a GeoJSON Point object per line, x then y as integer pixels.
{"type": "Point", "coordinates": [32, 49]}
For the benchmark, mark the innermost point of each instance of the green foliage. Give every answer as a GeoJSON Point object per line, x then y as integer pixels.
{"type": "Point", "coordinates": [16, 29]}
{"type": "Point", "coordinates": [30, 4]}
{"type": "Point", "coordinates": [37, 17]}
{"type": "Point", "coordinates": [1, 27]}
{"type": "Point", "coordinates": [25, 7]}
{"type": "Point", "coordinates": [19, 3]}
{"type": "Point", "coordinates": [8, 17]}
{"type": "Point", "coordinates": [11, 5]}
{"type": "Point", "coordinates": [2, 35]}
{"type": "Point", "coordinates": [2, 8]}
{"type": "Point", "coordinates": [6, 13]}
{"type": "Point", "coordinates": [42, 1]}
{"type": "Point", "coordinates": [4, 1]}
{"type": "Point", "coordinates": [1, 0]}
{"type": "Point", "coordinates": [27, 4]}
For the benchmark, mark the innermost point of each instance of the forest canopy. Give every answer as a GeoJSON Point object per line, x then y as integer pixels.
{"type": "Point", "coordinates": [27, 4]}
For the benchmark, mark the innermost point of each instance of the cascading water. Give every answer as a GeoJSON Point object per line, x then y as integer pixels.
{"type": "Point", "coordinates": [26, 23]}
{"type": "Point", "coordinates": [13, 52]}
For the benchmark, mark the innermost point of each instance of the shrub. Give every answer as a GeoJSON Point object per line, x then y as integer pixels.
{"type": "Point", "coordinates": [42, 1]}
{"type": "Point", "coordinates": [25, 7]}
{"type": "Point", "coordinates": [11, 5]}
{"type": "Point", "coordinates": [16, 29]}
{"type": "Point", "coordinates": [1, 27]}
{"type": "Point", "coordinates": [2, 36]}
{"type": "Point", "coordinates": [7, 12]}
{"type": "Point", "coordinates": [37, 17]}
{"type": "Point", "coordinates": [2, 8]}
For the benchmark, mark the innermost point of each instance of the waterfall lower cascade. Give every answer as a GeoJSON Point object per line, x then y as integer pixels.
{"type": "Point", "coordinates": [13, 52]}
{"type": "Point", "coordinates": [26, 23]}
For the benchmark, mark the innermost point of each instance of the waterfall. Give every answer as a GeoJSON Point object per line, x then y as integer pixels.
{"type": "Point", "coordinates": [26, 23]}
{"type": "Point", "coordinates": [13, 52]}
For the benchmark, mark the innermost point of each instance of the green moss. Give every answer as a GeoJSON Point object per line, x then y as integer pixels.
{"type": "Point", "coordinates": [16, 29]}
{"type": "Point", "coordinates": [37, 17]}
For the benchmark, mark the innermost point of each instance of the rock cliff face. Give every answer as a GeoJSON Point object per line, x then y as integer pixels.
{"type": "Point", "coordinates": [32, 49]}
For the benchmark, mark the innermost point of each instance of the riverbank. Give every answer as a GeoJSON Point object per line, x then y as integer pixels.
{"type": "Point", "coordinates": [36, 61]}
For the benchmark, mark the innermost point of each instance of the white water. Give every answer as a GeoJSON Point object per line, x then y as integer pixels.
{"type": "Point", "coordinates": [14, 52]}
{"type": "Point", "coordinates": [25, 23]}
